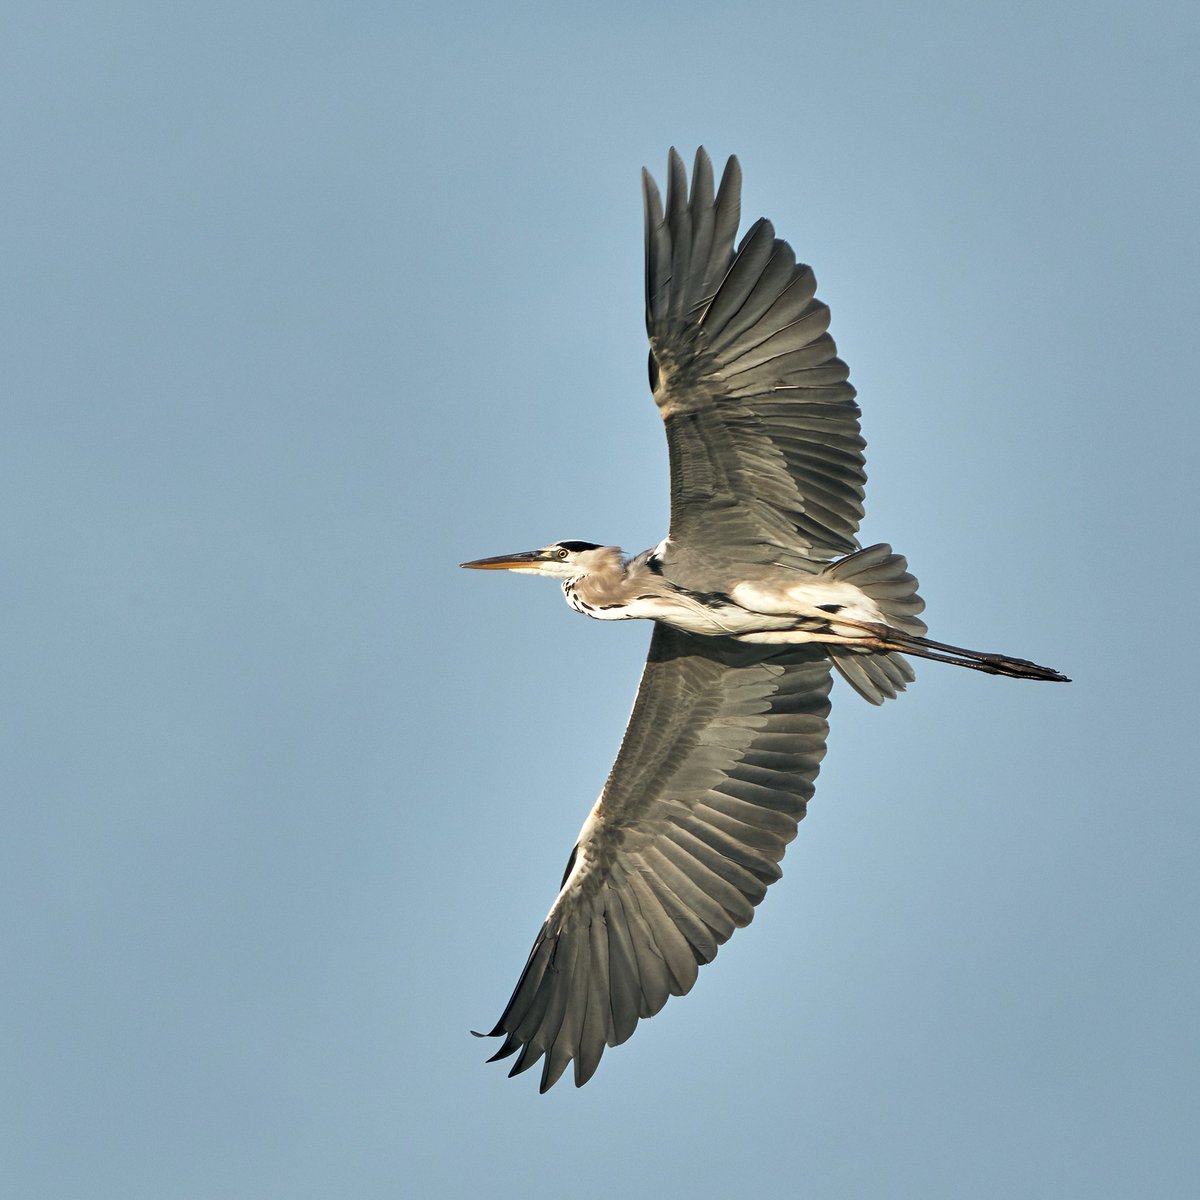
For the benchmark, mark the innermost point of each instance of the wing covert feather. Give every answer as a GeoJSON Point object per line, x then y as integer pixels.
{"type": "Point", "coordinates": [762, 424]}
{"type": "Point", "coordinates": [713, 775]}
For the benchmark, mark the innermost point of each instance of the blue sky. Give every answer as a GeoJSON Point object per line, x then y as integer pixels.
{"type": "Point", "coordinates": [306, 304]}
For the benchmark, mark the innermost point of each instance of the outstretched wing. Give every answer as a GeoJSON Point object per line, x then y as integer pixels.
{"type": "Point", "coordinates": [762, 426]}
{"type": "Point", "coordinates": [712, 778]}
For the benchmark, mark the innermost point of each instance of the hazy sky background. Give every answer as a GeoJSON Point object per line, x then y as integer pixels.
{"type": "Point", "coordinates": [303, 305]}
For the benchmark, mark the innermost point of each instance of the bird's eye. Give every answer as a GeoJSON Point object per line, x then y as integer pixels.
{"type": "Point", "coordinates": [562, 553]}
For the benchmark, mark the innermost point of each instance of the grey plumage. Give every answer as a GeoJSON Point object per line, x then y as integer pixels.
{"type": "Point", "coordinates": [766, 453]}
{"type": "Point", "coordinates": [724, 742]}
{"type": "Point", "coordinates": [758, 590]}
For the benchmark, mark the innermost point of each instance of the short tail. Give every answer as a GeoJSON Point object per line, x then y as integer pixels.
{"type": "Point", "coordinates": [884, 577]}
{"type": "Point", "coordinates": [873, 667]}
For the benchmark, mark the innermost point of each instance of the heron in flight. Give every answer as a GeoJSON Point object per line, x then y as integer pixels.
{"type": "Point", "coordinates": [759, 591]}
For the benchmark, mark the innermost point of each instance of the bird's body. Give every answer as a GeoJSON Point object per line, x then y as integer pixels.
{"type": "Point", "coordinates": [865, 603]}
{"type": "Point", "coordinates": [613, 588]}
{"type": "Point", "coordinates": [758, 590]}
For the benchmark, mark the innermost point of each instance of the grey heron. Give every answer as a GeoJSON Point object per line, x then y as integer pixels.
{"type": "Point", "coordinates": [758, 592]}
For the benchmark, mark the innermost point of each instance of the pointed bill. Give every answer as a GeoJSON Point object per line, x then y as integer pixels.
{"type": "Point", "coordinates": [508, 562]}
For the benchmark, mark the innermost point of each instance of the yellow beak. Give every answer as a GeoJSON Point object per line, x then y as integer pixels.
{"type": "Point", "coordinates": [508, 562]}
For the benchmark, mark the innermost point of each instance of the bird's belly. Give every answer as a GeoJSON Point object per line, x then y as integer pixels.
{"type": "Point", "coordinates": [804, 609]}
{"type": "Point", "coordinates": [809, 598]}
{"type": "Point", "coordinates": [701, 617]}
{"type": "Point", "coordinates": [703, 614]}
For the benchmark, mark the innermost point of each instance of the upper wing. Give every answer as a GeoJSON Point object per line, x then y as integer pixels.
{"type": "Point", "coordinates": [712, 778]}
{"type": "Point", "coordinates": [761, 421]}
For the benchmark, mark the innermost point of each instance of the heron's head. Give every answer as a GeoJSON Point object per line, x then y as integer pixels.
{"type": "Point", "coordinates": [559, 560]}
